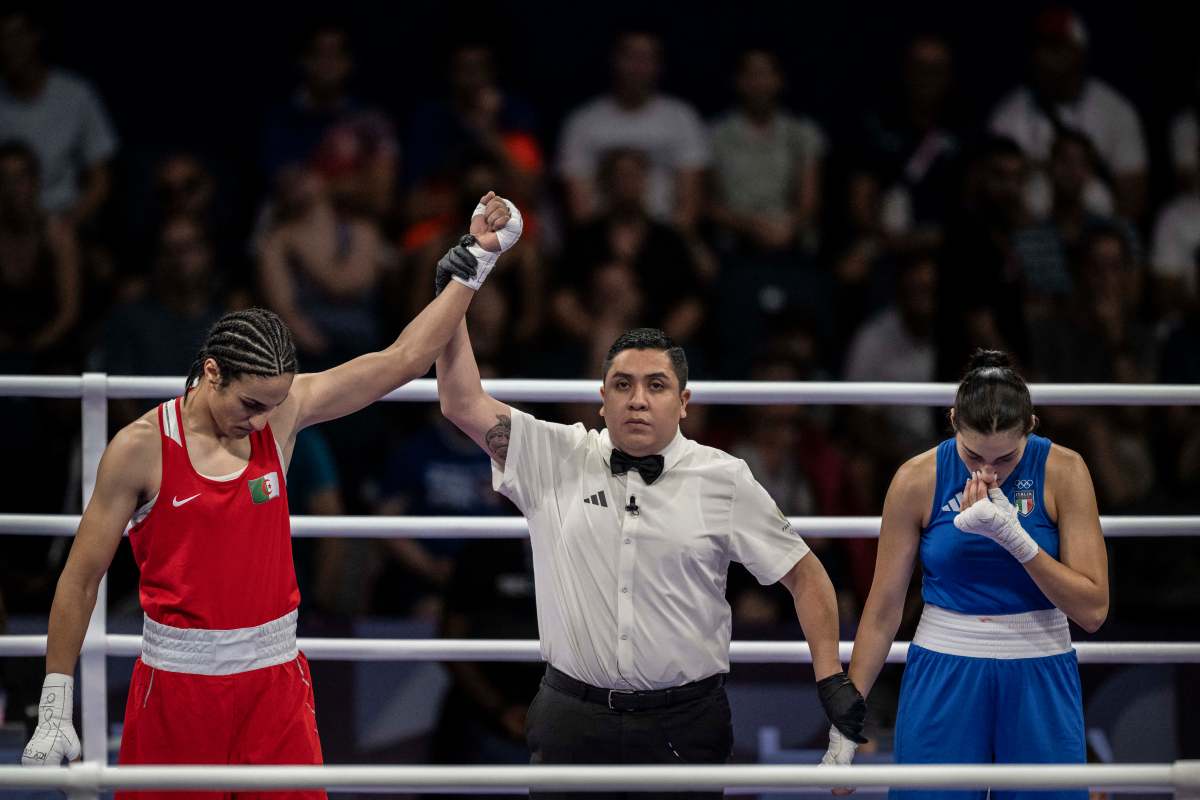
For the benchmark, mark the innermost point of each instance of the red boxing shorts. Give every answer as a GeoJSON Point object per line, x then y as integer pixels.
{"type": "Point", "coordinates": [264, 716]}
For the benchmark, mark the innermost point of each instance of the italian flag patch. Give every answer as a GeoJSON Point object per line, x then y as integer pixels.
{"type": "Point", "coordinates": [1025, 503]}
{"type": "Point", "coordinates": [265, 488]}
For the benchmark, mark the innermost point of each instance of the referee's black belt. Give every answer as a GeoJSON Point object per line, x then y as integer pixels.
{"type": "Point", "coordinates": [631, 700]}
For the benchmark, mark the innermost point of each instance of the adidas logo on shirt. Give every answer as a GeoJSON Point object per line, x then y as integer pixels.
{"type": "Point", "coordinates": [597, 500]}
{"type": "Point", "coordinates": [955, 504]}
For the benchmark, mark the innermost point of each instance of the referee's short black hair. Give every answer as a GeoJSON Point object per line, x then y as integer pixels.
{"type": "Point", "coordinates": [650, 339]}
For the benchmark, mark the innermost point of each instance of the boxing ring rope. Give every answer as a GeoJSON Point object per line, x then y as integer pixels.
{"type": "Point", "coordinates": [95, 389]}
{"type": "Point", "coordinates": [715, 392]}
{"type": "Point", "coordinates": [743, 652]}
{"type": "Point", "coordinates": [517, 528]}
{"type": "Point", "coordinates": [1182, 776]}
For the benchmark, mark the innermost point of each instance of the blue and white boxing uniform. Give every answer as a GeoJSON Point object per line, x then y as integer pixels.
{"type": "Point", "coordinates": [991, 674]}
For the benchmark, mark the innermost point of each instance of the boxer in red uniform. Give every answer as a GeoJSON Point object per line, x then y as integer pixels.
{"type": "Point", "coordinates": [203, 479]}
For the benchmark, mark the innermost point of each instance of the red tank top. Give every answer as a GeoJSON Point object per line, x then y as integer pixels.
{"type": "Point", "coordinates": [216, 554]}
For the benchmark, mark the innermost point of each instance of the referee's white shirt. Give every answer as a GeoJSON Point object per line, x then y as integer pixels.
{"type": "Point", "coordinates": [637, 601]}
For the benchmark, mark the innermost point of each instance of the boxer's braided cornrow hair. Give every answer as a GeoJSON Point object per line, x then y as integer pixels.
{"type": "Point", "coordinates": [250, 342]}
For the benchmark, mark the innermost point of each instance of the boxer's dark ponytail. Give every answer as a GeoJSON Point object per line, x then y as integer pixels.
{"type": "Point", "coordinates": [992, 397]}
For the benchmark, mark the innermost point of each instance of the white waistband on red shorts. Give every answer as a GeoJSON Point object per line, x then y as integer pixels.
{"type": "Point", "coordinates": [1033, 634]}
{"type": "Point", "coordinates": [219, 652]}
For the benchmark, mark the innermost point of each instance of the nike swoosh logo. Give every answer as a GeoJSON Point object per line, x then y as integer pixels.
{"type": "Point", "coordinates": [175, 501]}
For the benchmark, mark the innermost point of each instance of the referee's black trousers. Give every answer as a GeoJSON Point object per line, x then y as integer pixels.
{"type": "Point", "coordinates": [562, 728]}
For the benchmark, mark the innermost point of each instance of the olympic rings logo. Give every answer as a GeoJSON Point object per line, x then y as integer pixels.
{"type": "Point", "coordinates": [1025, 484]}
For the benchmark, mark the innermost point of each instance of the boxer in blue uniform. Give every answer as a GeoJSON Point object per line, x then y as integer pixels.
{"type": "Point", "coordinates": [1009, 537]}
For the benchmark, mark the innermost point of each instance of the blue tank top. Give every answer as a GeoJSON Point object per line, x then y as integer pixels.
{"type": "Point", "coordinates": [969, 573]}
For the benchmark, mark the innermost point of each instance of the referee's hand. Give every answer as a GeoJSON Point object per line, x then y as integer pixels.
{"type": "Point", "coordinates": [844, 705]}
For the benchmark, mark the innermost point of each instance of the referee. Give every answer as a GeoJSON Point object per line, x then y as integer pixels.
{"type": "Point", "coordinates": [633, 529]}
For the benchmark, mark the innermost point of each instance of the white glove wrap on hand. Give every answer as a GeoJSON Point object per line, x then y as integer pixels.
{"type": "Point", "coordinates": [508, 236]}
{"type": "Point", "coordinates": [841, 750]}
{"type": "Point", "coordinates": [55, 736]}
{"type": "Point", "coordinates": [996, 518]}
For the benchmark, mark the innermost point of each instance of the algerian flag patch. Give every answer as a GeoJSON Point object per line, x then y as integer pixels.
{"type": "Point", "coordinates": [265, 488]}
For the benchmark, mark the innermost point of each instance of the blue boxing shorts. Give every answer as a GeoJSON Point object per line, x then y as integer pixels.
{"type": "Point", "coordinates": [961, 709]}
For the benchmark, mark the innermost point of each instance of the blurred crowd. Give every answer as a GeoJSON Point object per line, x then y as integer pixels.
{"type": "Point", "coordinates": [772, 244]}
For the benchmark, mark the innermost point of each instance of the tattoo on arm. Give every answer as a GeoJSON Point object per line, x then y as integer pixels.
{"type": "Point", "coordinates": [497, 437]}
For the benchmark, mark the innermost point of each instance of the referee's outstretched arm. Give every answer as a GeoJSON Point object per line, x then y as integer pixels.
{"type": "Point", "coordinates": [464, 402]}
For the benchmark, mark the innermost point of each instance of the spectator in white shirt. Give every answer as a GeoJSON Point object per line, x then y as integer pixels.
{"type": "Point", "coordinates": [1185, 141]}
{"type": "Point", "coordinates": [60, 117]}
{"type": "Point", "coordinates": [635, 115]}
{"type": "Point", "coordinates": [898, 345]}
{"type": "Point", "coordinates": [1175, 253]}
{"type": "Point", "coordinates": [766, 164]}
{"type": "Point", "coordinates": [1046, 249]}
{"type": "Point", "coordinates": [1062, 94]}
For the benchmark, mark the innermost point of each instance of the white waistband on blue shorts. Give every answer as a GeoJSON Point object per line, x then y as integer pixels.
{"type": "Point", "coordinates": [219, 652]}
{"type": "Point", "coordinates": [1033, 634]}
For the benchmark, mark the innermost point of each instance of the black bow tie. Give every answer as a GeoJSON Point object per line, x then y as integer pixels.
{"type": "Point", "coordinates": [650, 467]}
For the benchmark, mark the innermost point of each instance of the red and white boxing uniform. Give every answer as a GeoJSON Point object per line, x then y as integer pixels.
{"type": "Point", "coordinates": [220, 679]}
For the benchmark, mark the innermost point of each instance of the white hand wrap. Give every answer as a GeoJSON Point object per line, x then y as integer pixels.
{"type": "Point", "coordinates": [55, 736]}
{"type": "Point", "coordinates": [508, 236]}
{"type": "Point", "coordinates": [841, 750]}
{"type": "Point", "coordinates": [996, 518]}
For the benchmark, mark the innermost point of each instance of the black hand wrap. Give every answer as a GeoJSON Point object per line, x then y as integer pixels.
{"type": "Point", "coordinates": [457, 261]}
{"type": "Point", "coordinates": [844, 706]}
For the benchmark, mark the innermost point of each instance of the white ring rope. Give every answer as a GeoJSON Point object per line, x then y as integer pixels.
{"type": "Point", "coordinates": [745, 652]}
{"type": "Point", "coordinates": [717, 392]}
{"type": "Point", "coordinates": [1181, 775]}
{"type": "Point", "coordinates": [366, 527]}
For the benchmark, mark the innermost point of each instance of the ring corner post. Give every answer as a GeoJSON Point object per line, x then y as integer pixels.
{"type": "Point", "coordinates": [93, 669]}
